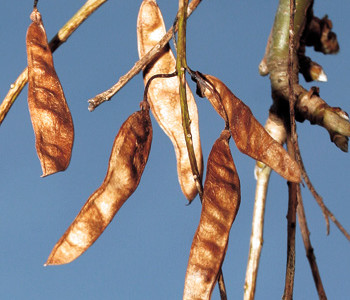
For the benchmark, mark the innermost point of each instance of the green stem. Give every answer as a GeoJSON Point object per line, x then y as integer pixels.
{"type": "Point", "coordinates": [181, 66]}
{"type": "Point", "coordinates": [277, 58]}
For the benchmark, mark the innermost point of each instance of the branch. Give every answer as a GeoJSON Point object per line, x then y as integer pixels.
{"type": "Point", "coordinates": [309, 249]}
{"type": "Point", "coordinates": [62, 35]}
{"type": "Point", "coordinates": [181, 66]}
{"type": "Point", "coordinates": [292, 142]}
{"type": "Point", "coordinates": [275, 127]}
{"type": "Point", "coordinates": [256, 237]}
{"type": "Point", "coordinates": [139, 65]}
{"type": "Point", "coordinates": [312, 107]}
{"type": "Point", "coordinates": [326, 212]}
{"type": "Point", "coordinates": [291, 218]}
{"type": "Point", "coordinates": [221, 284]}
{"type": "Point", "coordinates": [308, 105]}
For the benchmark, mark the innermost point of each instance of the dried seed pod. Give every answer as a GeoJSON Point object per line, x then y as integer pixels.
{"type": "Point", "coordinates": [49, 112]}
{"type": "Point", "coordinates": [163, 95]}
{"type": "Point", "coordinates": [249, 135]}
{"type": "Point", "coordinates": [126, 164]}
{"type": "Point", "coordinates": [221, 200]}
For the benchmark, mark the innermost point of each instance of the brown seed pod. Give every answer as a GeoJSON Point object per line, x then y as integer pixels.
{"type": "Point", "coordinates": [49, 112]}
{"type": "Point", "coordinates": [249, 135]}
{"type": "Point", "coordinates": [163, 95]}
{"type": "Point", "coordinates": [221, 200]}
{"type": "Point", "coordinates": [126, 164]}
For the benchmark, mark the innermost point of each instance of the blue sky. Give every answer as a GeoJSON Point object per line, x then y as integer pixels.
{"type": "Point", "coordinates": [143, 253]}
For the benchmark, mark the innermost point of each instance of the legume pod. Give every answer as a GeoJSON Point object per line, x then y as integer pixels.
{"type": "Point", "coordinates": [221, 200]}
{"type": "Point", "coordinates": [128, 159]}
{"type": "Point", "coordinates": [164, 98]}
{"type": "Point", "coordinates": [49, 112]}
{"type": "Point", "coordinates": [249, 135]}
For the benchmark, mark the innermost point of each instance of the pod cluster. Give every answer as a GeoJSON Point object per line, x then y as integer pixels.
{"type": "Point", "coordinates": [54, 135]}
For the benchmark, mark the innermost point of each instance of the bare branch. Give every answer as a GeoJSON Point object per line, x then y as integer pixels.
{"type": "Point", "coordinates": [139, 65]}
{"type": "Point", "coordinates": [326, 212]}
{"type": "Point", "coordinates": [292, 142]}
{"type": "Point", "coordinates": [275, 127]}
{"type": "Point", "coordinates": [221, 283]}
{"type": "Point", "coordinates": [312, 107]}
{"type": "Point", "coordinates": [309, 249]}
{"type": "Point", "coordinates": [181, 66]}
{"type": "Point", "coordinates": [291, 218]}
{"type": "Point", "coordinates": [256, 238]}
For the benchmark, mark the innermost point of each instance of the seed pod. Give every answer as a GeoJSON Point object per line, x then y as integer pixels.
{"type": "Point", "coordinates": [164, 98]}
{"type": "Point", "coordinates": [249, 135]}
{"type": "Point", "coordinates": [128, 159]}
{"type": "Point", "coordinates": [221, 200]}
{"type": "Point", "coordinates": [49, 112]}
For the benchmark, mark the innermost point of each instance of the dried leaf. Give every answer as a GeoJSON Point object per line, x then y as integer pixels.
{"type": "Point", "coordinates": [164, 98]}
{"type": "Point", "coordinates": [128, 159]}
{"type": "Point", "coordinates": [49, 112]}
{"type": "Point", "coordinates": [249, 135]}
{"type": "Point", "coordinates": [221, 200]}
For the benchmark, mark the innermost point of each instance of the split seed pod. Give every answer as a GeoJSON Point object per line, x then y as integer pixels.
{"type": "Point", "coordinates": [221, 200]}
{"type": "Point", "coordinates": [164, 98]}
{"type": "Point", "coordinates": [249, 135]}
{"type": "Point", "coordinates": [49, 112]}
{"type": "Point", "coordinates": [126, 164]}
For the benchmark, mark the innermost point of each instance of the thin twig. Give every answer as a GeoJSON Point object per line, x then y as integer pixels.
{"type": "Point", "coordinates": [309, 249]}
{"type": "Point", "coordinates": [292, 187]}
{"type": "Point", "coordinates": [256, 238]}
{"type": "Point", "coordinates": [221, 283]}
{"type": "Point", "coordinates": [181, 66]}
{"type": "Point", "coordinates": [336, 222]}
{"type": "Point", "coordinates": [139, 65]}
{"type": "Point", "coordinates": [317, 197]}
{"type": "Point", "coordinates": [326, 212]}
{"type": "Point", "coordinates": [291, 218]}
{"type": "Point", "coordinates": [276, 128]}
{"type": "Point", "coordinates": [62, 35]}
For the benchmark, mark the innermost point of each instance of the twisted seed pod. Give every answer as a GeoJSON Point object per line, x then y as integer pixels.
{"type": "Point", "coordinates": [163, 95]}
{"type": "Point", "coordinates": [49, 112]}
{"type": "Point", "coordinates": [221, 200]}
{"type": "Point", "coordinates": [128, 159]}
{"type": "Point", "coordinates": [249, 135]}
